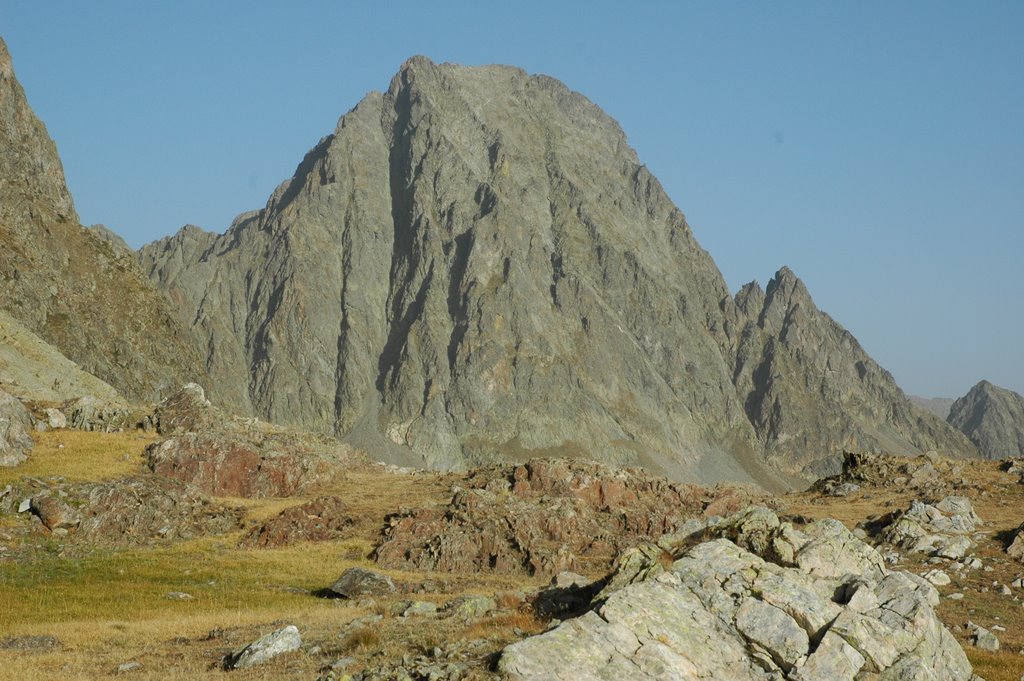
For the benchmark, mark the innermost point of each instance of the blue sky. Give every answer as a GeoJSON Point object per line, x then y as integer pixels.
{"type": "Point", "coordinates": [876, 148]}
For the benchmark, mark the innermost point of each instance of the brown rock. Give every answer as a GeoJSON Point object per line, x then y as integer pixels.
{"type": "Point", "coordinates": [545, 517]}
{"type": "Point", "coordinates": [322, 519]}
{"type": "Point", "coordinates": [147, 509]}
{"type": "Point", "coordinates": [238, 464]}
{"type": "Point", "coordinates": [55, 514]}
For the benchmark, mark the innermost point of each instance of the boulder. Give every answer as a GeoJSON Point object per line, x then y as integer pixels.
{"type": "Point", "coordinates": [982, 637]}
{"type": "Point", "coordinates": [942, 530]}
{"type": "Point", "coordinates": [15, 426]}
{"type": "Point", "coordinates": [261, 650]}
{"type": "Point", "coordinates": [1016, 547]}
{"type": "Point", "coordinates": [726, 611]}
{"type": "Point", "coordinates": [355, 582]}
{"type": "Point", "coordinates": [186, 411]}
{"type": "Point", "coordinates": [55, 513]}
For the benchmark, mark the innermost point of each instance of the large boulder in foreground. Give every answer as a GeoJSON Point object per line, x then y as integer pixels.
{"type": "Point", "coordinates": [15, 425]}
{"type": "Point", "coordinates": [804, 605]}
{"type": "Point", "coordinates": [546, 516]}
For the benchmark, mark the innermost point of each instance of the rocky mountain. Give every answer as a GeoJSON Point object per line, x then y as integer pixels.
{"type": "Point", "coordinates": [993, 418]}
{"type": "Point", "coordinates": [70, 286]}
{"type": "Point", "coordinates": [936, 405]}
{"type": "Point", "coordinates": [32, 369]}
{"type": "Point", "coordinates": [475, 266]}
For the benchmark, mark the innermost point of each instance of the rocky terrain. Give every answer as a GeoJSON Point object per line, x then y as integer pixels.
{"type": "Point", "coordinates": [508, 281]}
{"type": "Point", "coordinates": [993, 418]}
{"type": "Point", "coordinates": [894, 568]}
{"type": "Point", "coordinates": [511, 297]}
{"type": "Point", "coordinates": [66, 284]}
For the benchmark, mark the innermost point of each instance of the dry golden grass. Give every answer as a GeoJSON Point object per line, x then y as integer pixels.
{"type": "Point", "coordinates": [80, 456]}
{"type": "Point", "coordinates": [110, 607]}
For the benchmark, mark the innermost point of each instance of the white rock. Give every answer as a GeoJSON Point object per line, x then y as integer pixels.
{"type": "Point", "coordinates": [259, 651]}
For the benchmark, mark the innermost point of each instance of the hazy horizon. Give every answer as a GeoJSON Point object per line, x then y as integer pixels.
{"type": "Point", "coordinates": [876, 150]}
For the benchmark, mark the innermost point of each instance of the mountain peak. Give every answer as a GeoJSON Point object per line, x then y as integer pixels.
{"type": "Point", "coordinates": [993, 418]}
{"type": "Point", "coordinates": [475, 266]}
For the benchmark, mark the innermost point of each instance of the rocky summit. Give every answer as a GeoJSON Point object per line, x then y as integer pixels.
{"type": "Point", "coordinates": [475, 267]}
{"type": "Point", "coordinates": [993, 418]}
{"type": "Point", "coordinates": [72, 287]}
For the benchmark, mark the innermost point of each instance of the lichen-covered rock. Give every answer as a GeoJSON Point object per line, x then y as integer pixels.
{"type": "Point", "coordinates": [94, 414]}
{"type": "Point", "coordinates": [262, 650]}
{"type": "Point", "coordinates": [148, 509]}
{"type": "Point", "coordinates": [944, 529]}
{"type": "Point", "coordinates": [547, 516]}
{"type": "Point", "coordinates": [15, 426]}
{"type": "Point", "coordinates": [721, 611]}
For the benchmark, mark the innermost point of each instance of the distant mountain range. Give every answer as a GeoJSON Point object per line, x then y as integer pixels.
{"type": "Point", "coordinates": [474, 266]}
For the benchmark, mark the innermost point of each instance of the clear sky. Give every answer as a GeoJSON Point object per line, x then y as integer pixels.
{"type": "Point", "coordinates": [876, 148]}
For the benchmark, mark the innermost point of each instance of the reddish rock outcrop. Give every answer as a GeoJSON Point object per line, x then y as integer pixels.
{"type": "Point", "coordinates": [147, 509]}
{"type": "Point", "coordinates": [322, 519]}
{"type": "Point", "coordinates": [547, 516]}
{"type": "Point", "coordinates": [233, 465]}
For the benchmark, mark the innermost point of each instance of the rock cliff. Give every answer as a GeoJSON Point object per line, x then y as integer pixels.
{"type": "Point", "coordinates": [69, 285]}
{"type": "Point", "coordinates": [475, 266]}
{"type": "Point", "coordinates": [993, 418]}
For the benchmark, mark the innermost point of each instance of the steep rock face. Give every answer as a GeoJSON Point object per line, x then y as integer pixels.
{"type": "Point", "coordinates": [993, 418]}
{"type": "Point", "coordinates": [474, 267]}
{"type": "Point", "coordinates": [69, 285]}
{"type": "Point", "coordinates": [811, 392]}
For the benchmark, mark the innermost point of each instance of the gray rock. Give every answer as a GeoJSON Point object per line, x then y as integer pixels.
{"type": "Point", "coordinates": [55, 419]}
{"type": "Point", "coordinates": [774, 631]}
{"type": "Point", "coordinates": [471, 607]}
{"type": "Point", "coordinates": [261, 650]}
{"type": "Point", "coordinates": [937, 577]}
{"type": "Point", "coordinates": [15, 426]}
{"type": "Point", "coordinates": [127, 667]}
{"type": "Point", "coordinates": [722, 611]}
{"type": "Point", "coordinates": [355, 582]}
{"type": "Point", "coordinates": [982, 637]}
{"type": "Point", "coordinates": [944, 529]}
